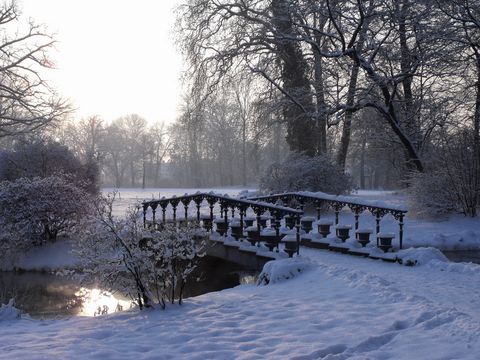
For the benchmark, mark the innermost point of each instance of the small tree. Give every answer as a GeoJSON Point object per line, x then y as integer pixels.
{"type": "Point", "coordinates": [301, 172]}
{"type": "Point", "coordinates": [144, 264]}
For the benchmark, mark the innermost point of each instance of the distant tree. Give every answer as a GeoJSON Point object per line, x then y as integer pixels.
{"type": "Point", "coordinates": [27, 103]}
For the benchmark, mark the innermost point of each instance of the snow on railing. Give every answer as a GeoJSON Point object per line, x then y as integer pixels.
{"type": "Point", "coordinates": [337, 202]}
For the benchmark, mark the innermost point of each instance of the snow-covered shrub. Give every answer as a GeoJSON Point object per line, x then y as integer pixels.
{"type": "Point", "coordinates": [33, 211]}
{"type": "Point", "coordinates": [276, 271]}
{"type": "Point", "coordinates": [420, 256]}
{"type": "Point", "coordinates": [453, 185]}
{"type": "Point", "coordinates": [431, 194]}
{"type": "Point", "coordinates": [42, 159]}
{"type": "Point", "coordinates": [147, 265]}
{"type": "Point", "coordinates": [301, 172]}
{"type": "Point", "coordinates": [9, 311]}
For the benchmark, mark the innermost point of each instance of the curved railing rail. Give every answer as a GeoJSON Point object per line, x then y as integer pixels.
{"type": "Point", "coordinates": [226, 203]}
{"type": "Point", "coordinates": [337, 203]}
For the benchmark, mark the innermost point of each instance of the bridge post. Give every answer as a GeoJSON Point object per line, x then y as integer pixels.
{"type": "Point", "coordinates": [242, 214]}
{"type": "Point", "coordinates": [377, 221]}
{"type": "Point", "coordinates": [400, 235]}
{"type": "Point", "coordinates": [297, 226]}
{"type": "Point", "coordinates": [211, 215]}
{"type": "Point", "coordinates": [277, 229]}
{"type": "Point", "coordinates": [145, 207]}
{"type": "Point", "coordinates": [154, 211]}
{"type": "Point", "coordinates": [258, 226]}
{"type": "Point", "coordinates": [357, 215]}
{"type": "Point", "coordinates": [198, 213]}
{"type": "Point", "coordinates": [164, 210]}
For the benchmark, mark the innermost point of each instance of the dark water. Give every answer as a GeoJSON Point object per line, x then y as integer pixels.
{"type": "Point", "coordinates": [45, 295]}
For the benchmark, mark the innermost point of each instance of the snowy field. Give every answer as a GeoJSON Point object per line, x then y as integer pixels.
{"type": "Point", "coordinates": [338, 307]}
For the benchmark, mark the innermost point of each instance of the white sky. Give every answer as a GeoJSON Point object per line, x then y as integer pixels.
{"type": "Point", "coordinates": [113, 57]}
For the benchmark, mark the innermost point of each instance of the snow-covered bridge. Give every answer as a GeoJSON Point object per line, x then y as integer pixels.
{"type": "Point", "coordinates": [252, 231]}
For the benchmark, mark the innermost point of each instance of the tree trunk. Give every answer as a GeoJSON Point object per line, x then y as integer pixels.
{"type": "Point", "coordinates": [409, 119]}
{"type": "Point", "coordinates": [320, 91]}
{"type": "Point", "coordinates": [299, 109]}
{"type": "Point", "coordinates": [352, 87]}
{"type": "Point", "coordinates": [362, 162]}
{"type": "Point", "coordinates": [244, 152]}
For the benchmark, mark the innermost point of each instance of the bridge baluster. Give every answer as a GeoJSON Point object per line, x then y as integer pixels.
{"type": "Point", "coordinates": [198, 212]}
{"type": "Point", "coordinates": [400, 235]}
{"type": "Point", "coordinates": [297, 226]}
{"type": "Point", "coordinates": [277, 229]}
{"type": "Point", "coordinates": [377, 221]}
{"type": "Point", "coordinates": [164, 211]}
{"type": "Point", "coordinates": [258, 227]}
{"type": "Point", "coordinates": [154, 210]}
{"type": "Point", "coordinates": [145, 207]}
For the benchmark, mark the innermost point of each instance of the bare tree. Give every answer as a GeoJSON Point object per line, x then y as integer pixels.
{"type": "Point", "coordinates": [27, 103]}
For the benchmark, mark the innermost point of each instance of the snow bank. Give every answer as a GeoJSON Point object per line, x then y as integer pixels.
{"type": "Point", "coordinates": [434, 259]}
{"type": "Point", "coordinates": [280, 270]}
{"type": "Point", "coordinates": [420, 256]}
{"type": "Point", "coordinates": [9, 311]}
{"type": "Point", "coordinates": [463, 240]}
{"type": "Point", "coordinates": [461, 268]}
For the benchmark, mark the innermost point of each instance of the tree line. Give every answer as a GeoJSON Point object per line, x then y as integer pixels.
{"type": "Point", "coordinates": [346, 78]}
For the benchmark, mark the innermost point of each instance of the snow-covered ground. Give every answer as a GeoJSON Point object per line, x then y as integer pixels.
{"type": "Point", "coordinates": [335, 307]}
{"type": "Point", "coordinates": [341, 307]}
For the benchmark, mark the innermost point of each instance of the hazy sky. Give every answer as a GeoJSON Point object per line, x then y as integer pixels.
{"type": "Point", "coordinates": [113, 57]}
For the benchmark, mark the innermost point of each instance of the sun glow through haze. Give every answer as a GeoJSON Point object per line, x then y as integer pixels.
{"type": "Point", "coordinates": [113, 57]}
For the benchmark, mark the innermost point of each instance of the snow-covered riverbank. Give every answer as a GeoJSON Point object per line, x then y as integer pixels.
{"type": "Point", "coordinates": [342, 307]}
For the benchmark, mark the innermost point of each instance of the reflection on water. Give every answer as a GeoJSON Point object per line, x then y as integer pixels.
{"type": "Point", "coordinates": [45, 295]}
{"type": "Point", "coordinates": [97, 302]}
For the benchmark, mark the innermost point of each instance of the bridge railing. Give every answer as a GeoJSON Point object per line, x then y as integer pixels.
{"type": "Point", "coordinates": [225, 203]}
{"type": "Point", "coordinates": [337, 203]}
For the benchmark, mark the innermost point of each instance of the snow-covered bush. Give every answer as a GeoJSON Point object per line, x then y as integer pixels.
{"type": "Point", "coordinates": [147, 265]}
{"type": "Point", "coordinates": [453, 185]}
{"type": "Point", "coordinates": [280, 270]}
{"type": "Point", "coordinates": [431, 194]}
{"type": "Point", "coordinates": [33, 211]}
{"type": "Point", "coordinates": [301, 172]}
{"type": "Point", "coordinates": [42, 159]}
{"type": "Point", "coordinates": [9, 311]}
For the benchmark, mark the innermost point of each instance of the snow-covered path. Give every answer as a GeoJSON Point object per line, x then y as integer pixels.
{"type": "Point", "coordinates": [343, 308]}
